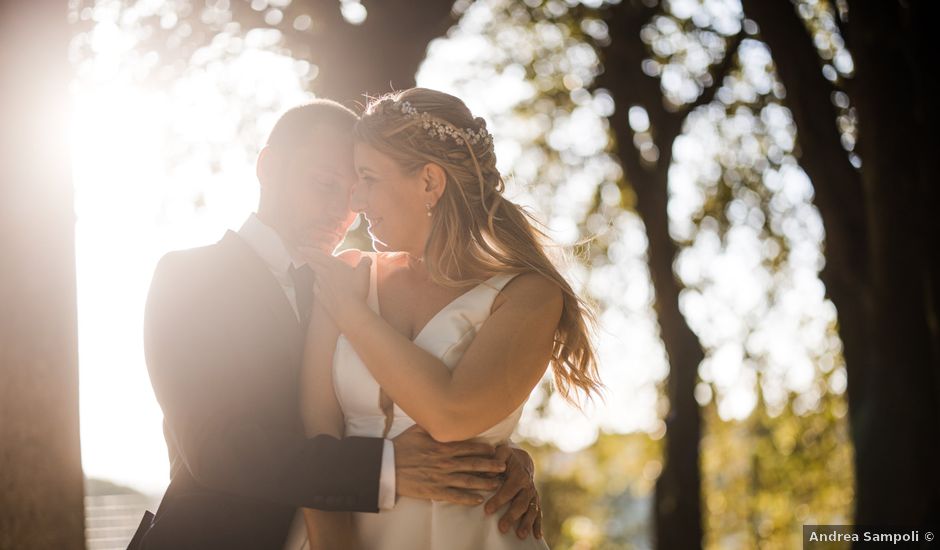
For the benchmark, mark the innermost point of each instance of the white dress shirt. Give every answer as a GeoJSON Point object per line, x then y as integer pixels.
{"type": "Point", "coordinates": [265, 241]}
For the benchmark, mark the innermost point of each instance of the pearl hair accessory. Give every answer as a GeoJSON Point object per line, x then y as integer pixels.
{"type": "Point", "coordinates": [441, 129]}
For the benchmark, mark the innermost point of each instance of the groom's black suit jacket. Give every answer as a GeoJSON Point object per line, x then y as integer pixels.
{"type": "Point", "coordinates": [223, 349]}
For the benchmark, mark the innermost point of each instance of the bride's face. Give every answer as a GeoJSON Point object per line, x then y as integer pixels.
{"type": "Point", "coordinates": [392, 201]}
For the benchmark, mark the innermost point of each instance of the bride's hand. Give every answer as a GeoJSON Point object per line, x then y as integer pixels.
{"type": "Point", "coordinates": [342, 283]}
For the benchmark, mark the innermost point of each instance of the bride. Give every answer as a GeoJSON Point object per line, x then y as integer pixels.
{"type": "Point", "coordinates": [449, 326]}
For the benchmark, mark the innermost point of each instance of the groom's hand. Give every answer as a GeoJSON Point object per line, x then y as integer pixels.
{"type": "Point", "coordinates": [427, 469]}
{"type": "Point", "coordinates": [524, 513]}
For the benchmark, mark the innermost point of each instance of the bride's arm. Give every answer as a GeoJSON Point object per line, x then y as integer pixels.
{"type": "Point", "coordinates": [321, 414]}
{"type": "Point", "coordinates": [495, 375]}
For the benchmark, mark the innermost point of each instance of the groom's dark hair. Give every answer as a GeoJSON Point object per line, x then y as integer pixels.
{"type": "Point", "coordinates": [293, 127]}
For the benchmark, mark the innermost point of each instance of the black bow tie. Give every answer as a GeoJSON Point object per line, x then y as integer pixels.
{"type": "Point", "coordinates": [303, 278]}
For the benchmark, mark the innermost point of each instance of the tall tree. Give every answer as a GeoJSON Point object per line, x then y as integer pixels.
{"type": "Point", "coordinates": [881, 270]}
{"type": "Point", "coordinates": [678, 511]}
{"type": "Point", "coordinates": [40, 460]}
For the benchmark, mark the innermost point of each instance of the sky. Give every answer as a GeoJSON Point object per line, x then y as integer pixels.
{"type": "Point", "coordinates": [159, 169]}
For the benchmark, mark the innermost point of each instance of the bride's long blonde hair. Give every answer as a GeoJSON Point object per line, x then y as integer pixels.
{"type": "Point", "coordinates": [475, 230]}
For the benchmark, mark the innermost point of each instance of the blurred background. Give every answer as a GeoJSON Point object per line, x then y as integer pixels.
{"type": "Point", "coordinates": [742, 186]}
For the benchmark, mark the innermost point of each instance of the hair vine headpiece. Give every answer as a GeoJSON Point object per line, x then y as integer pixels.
{"type": "Point", "coordinates": [437, 128]}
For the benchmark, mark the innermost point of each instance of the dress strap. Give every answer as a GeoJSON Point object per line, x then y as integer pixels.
{"type": "Point", "coordinates": [498, 282]}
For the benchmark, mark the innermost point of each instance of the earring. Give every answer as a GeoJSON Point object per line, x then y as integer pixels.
{"type": "Point", "coordinates": [428, 206]}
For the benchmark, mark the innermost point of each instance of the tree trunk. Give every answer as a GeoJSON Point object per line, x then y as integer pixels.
{"type": "Point", "coordinates": [41, 503]}
{"type": "Point", "coordinates": [678, 511]}
{"type": "Point", "coordinates": [383, 53]}
{"type": "Point", "coordinates": [877, 269]}
{"type": "Point", "coordinates": [898, 480]}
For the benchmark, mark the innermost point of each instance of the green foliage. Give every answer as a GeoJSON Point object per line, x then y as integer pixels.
{"type": "Point", "coordinates": [763, 478]}
{"type": "Point", "coordinates": [599, 497]}
{"type": "Point", "coordinates": [766, 476]}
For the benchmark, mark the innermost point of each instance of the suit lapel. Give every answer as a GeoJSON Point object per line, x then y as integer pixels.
{"type": "Point", "coordinates": [263, 284]}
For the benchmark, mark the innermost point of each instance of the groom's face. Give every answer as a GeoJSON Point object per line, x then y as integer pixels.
{"type": "Point", "coordinates": [311, 183]}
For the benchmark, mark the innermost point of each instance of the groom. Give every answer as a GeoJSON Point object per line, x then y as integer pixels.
{"type": "Point", "coordinates": [224, 335]}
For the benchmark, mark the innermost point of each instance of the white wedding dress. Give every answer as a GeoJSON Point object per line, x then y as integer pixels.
{"type": "Point", "coordinates": [415, 524]}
